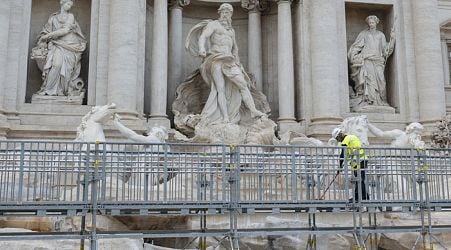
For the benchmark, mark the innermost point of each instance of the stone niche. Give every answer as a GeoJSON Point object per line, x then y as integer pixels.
{"type": "Point", "coordinates": [356, 14]}
{"type": "Point", "coordinates": [40, 13]}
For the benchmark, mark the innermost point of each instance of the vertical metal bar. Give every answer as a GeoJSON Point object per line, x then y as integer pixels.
{"type": "Point", "coordinates": [293, 175]}
{"type": "Point", "coordinates": [21, 166]}
{"type": "Point", "coordinates": [165, 174]}
{"type": "Point", "coordinates": [94, 182]}
{"type": "Point", "coordinates": [413, 175]}
{"type": "Point", "coordinates": [85, 194]}
{"type": "Point", "coordinates": [103, 178]}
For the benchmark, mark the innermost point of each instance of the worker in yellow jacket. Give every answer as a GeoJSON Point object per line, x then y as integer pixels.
{"type": "Point", "coordinates": [356, 158]}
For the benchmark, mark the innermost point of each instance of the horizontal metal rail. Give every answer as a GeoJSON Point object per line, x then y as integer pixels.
{"type": "Point", "coordinates": [73, 178]}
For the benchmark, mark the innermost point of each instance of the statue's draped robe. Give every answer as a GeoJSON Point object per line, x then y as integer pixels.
{"type": "Point", "coordinates": [368, 55]}
{"type": "Point", "coordinates": [62, 64]}
{"type": "Point", "coordinates": [211, 113]}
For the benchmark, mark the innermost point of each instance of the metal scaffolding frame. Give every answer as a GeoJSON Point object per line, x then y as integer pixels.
{"type": "Point", "coordinates": [46, 178]}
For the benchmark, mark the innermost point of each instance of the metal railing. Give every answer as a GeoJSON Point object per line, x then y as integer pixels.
{"type": "Point", "coordinates": [73, 178]}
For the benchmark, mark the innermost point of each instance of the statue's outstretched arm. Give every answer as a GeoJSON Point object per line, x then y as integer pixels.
{"type": "Point", "coordinates": [389, 133]}
{"type": "Point", "coordinates": [130, 134]}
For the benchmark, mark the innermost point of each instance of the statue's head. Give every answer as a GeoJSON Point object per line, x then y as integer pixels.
{"type": "Point", "coordinates": [372, 21]}
{"type": "Point", "coordinates": [225, 7]}
{"type": "Point", "coordinates": [225, 14]}
{"type": "Point", "coordinates": [414, 127]}
{"type": "Point", "coordinates": [66, 4]}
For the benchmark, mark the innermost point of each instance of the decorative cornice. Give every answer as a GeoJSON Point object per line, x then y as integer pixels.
{"type": "Point", "coordinates": [286, 1]}
{"type": "Point", "coordinates": [252, 5]}
{"type": "Point", "coordinates": [178, 3]}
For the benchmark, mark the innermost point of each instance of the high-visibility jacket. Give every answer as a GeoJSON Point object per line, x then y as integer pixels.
{"type": "Point", "coordinates": [354, 152]}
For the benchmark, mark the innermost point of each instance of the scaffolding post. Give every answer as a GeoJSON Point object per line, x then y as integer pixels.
{"type": "Point", "coordinates": [202, 193]}
{"type": "Point", "coordinates": [310, 194]}
{"type": "Point", "coordinates": [94, 182]}
{"type": "Point", "coordinates": [234, 180]}
{"type": "Point", "coordinates": [85, 193]}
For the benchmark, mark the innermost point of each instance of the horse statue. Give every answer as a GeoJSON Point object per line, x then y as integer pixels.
{"type": "Point", "coordinates": [91, 126]}
{"type": "Point", "coordinates": [356, 125]}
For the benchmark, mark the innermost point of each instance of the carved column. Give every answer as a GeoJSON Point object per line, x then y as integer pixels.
{"type": "Point", "coordinates": [159, 67]}
{"type": "Point", "coordinates": [255, 40]}
{"type": "Point", "coordinates": [428, 60]}
{"type": "Point", "coordinates": [175, 49]}
{"type": "Point", "coordinates": [445, 59]}
{"type": "Point", "coordinates": [4, 37]}
{"type": "Point", "coordinates": [325, 75]}
{"type": "Point", "coordinates": [123, 56]}
{"type": "Point", "coordinates": [285, 66]}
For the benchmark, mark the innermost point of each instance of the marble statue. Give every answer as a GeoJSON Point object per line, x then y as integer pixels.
{"type": "Point", "coordinates": [222, 70]}
{"type": "Point", "coordinates": [356, 125]}
{"type": "Point", "coordinates": [219, 101]}
{"type": "Point", "coordinates": [91, 126]}
{"type": "Point", "coordinates": [156, 134]}
{"type": "Point", "coordinates": [410, 137]}
{"type": "Point", "coordinates": [368, 56]}
{"type": "Point", "coordinates": [299, 139]}
{"type": "Point", "coordinates": [58, 53]}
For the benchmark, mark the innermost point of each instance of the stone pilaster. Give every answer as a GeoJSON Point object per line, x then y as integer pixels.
{"type": "Point", "coordinates": [4, 36]}
{"type": "Point", "coordinates": [428, 60]}
{"type": "Point", "coordinates": [445, 60]}
{"type": "Point", "coordinates": [124, 56]}
{"type": "Point", "coordinates": [159, 67]}
{"type": "Point", "coordinates": [285, 66]}
{"type": "Point", "coordinates": [255, 40]}
{"type": "Point", "coordinates": [325, 75]}
{"type": "Point", "coordinates": [175, 73]}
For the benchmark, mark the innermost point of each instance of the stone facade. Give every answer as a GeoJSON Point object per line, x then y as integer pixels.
{"type": "Point", "coordinates": [135, 59]}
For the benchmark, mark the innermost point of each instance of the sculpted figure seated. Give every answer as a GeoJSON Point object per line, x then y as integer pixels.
{"type": "Point", "coordinates": [411, 137]}
{"type": "Point", "coordinates": [220, 97]}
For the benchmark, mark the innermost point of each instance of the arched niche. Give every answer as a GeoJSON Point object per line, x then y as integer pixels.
{"type": "Point", "coordinates": [356, 14]}
{"type": "Point", "coordinates": [41, 10]}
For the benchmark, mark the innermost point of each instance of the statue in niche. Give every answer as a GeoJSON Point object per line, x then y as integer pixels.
{"type": "Point", "coordinates": [58, 53]}
{"type": "Point", "coordinates": [219, 101]}
{"type": "Point", "coordinates": [368, 56]}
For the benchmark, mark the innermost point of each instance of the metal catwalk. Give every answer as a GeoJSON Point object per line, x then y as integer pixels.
{"type": "Point", "coordinates": [48, 178]}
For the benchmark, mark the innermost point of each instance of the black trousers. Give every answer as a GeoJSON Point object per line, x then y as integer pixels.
{"type": "Point", "coordinates": [365, 196]}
